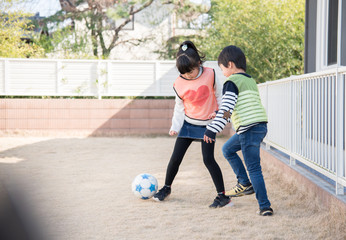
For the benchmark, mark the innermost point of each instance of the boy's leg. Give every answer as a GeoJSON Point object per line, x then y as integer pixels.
{"type": "Point", "coordinates": [229, 150]}
{"type": "Point", "coordinates": [250, 142]}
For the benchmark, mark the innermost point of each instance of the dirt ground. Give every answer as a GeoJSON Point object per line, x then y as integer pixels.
{"type": "Point", "coordinates": [80, 188]}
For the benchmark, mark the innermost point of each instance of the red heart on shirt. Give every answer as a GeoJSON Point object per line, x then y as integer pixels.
{"type": "Point", "coordinates": [198, 97]}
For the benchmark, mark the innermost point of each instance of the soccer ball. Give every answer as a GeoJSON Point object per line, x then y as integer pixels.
{"type": "Point", "coordinates": [144, 186]}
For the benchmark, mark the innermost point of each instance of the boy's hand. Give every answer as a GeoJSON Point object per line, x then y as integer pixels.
{"type": "Point", "coordinates": [208, 139]}
{"type": "Point", "coordinates": [212, 115]}
{"type": "Point", "coordinates": [172, 133]}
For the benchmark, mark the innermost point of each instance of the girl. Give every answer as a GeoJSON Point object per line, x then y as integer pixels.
{"type": "Point", "coordinates": [198, 95]}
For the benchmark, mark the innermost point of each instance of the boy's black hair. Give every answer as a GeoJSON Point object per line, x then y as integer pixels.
{"type": "Point", "coordinates": [188, 57]}
{"type": "Point", "coordinates": [232, 54]}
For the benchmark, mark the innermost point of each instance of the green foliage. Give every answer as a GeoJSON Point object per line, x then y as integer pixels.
{"type": "Point", "coordinates": [270, 32]}
{"type": "Point", "coordinates": [99, 28]}
{"type": "Point", "coordinates": [118, 12]}
{"type": "Point", "coordinates": [189, 13]}
{"type": "Point", "coordinates": [64, 41]}
{"type": "Point", "coordinates": [169, 51]}
{"type": "Point", "coordinates": [59, 43]}
{"type": "Point", "coordinates": [80, 30]}
{"type": "Point", "coordinates": [14, 27]}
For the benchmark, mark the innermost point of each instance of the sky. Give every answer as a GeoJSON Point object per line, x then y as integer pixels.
{"type": "Point", "coordinates": [49, 7]}
{"type": "Point", "coordinates": [44, 7]}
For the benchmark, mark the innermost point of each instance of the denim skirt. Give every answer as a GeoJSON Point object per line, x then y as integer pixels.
{"type": "Point", "coordinates": [189, 130]}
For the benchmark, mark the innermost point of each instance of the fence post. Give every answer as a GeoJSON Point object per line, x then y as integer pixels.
{"type": "Point", "coordinates": [339, 165]}
{"type": "Point", "coordinates": [339, 189]}
{"type": "Point", "coordinates": [98, 75]}
{"type": "Point", "coordinates": [267, 145]}
{"type": "Point", "coordinates": [58, 77]}
{"type": "Point", "coordinates": [6, 70]}
{"type": "Point", "coordinates": [109, 76]}
{"type": "Point", "coordinates": [292, 120]}
{"type": "Point", "coordinates": [156, 77]}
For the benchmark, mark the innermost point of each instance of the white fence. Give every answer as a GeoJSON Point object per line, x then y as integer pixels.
{"type": "Point", "coordinates": [45, 77]}
{"type": "Point", "coordinates": [307, 121]}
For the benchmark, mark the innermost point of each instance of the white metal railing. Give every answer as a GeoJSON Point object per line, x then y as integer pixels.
{"type": "Point", "coordinates": [47, 77]}
{"type": "Point", "coordinates": [307, 120]}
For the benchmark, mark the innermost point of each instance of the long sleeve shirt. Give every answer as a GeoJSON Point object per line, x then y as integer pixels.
{"type": "Point", "coordinates": [223, 116]}
{"type": "Point", "coordinates": [229, 100]}
{"type": "Point", "coordinates": [179, 109]}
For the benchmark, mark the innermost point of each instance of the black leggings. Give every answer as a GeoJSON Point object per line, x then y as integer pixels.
{"type": "Point", "coordinates": [180, 148]}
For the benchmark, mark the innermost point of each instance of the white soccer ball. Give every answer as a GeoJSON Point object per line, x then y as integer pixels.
{"type": "Point", "coordinates": [144, 186]}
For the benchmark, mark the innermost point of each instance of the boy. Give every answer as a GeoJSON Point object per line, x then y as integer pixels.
{"type": "Point", "coordinates": [241, 102]}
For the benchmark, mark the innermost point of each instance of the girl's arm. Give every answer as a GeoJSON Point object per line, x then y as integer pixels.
{"type": "Point", "coordinates": [218, 91]}
{"type": "Point", "coordinates": [178, 115]}
{"type": "Point", "coordinates": [229, 99]}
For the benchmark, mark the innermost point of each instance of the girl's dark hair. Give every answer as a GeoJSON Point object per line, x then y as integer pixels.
{"type": "Point", "coordinates": [188, 57]}
{"type": "Point", "coordinates": [232, 54]}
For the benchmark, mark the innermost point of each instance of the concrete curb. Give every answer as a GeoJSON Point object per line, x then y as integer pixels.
{"type": "Point", "coordinates": [319, 187]}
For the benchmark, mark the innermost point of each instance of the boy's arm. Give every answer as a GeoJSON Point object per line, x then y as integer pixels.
{"type": "Point", "coordinates": [229, 99]}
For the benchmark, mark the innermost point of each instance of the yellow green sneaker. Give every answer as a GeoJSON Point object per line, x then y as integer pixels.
{"type": "Point", "coordinates": [240, 190]}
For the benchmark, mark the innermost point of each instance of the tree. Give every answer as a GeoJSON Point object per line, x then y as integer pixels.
{"type": "Point", "coordinates": [100, 23]}
{"type": "Point", "coordinates": [270, 32]}
{"type": "Point", "coordinates": [14, 27]}
{"type": "Point", "coordinates": [191, 15]}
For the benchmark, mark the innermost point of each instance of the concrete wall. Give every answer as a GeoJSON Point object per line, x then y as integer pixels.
{"type": "Point", "coordinates": [312, 185]}
{"type": "Point", "coordinates": [106, 117]}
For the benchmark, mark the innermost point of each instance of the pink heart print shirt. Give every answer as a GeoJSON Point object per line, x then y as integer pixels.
{"type": "Point", "coordinates": [198, 95]}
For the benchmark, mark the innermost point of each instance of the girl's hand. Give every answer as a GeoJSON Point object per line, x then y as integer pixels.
{"type": "Point", "coordinates": [208, 139]}
{"type": "Point", "coordinates": [212, 115]}
{"type": "Point", "coordinates": [172, 133]}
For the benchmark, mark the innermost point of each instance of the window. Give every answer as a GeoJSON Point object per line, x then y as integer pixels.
{"type": "Point", "coordinates": [198, 23]}
{"type": "Point", "coordinates": [327, 35]}
{"type": "Point", "coordinates": [332, 32]}
{"type": "Point", "coordinates": [112, 24]}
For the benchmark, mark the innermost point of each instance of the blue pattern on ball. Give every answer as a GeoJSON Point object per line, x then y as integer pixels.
{"type": "Point", "coordinates": [145, 176]}
{"type": "Point", "coordinates": [138, 188]}
{"type": "Point", "coordinates": [152, 187]}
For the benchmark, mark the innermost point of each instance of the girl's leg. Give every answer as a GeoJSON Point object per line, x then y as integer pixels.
{"type": "Point", "coordinates": [212, 166]}
{"type": "Point", "coordinates": [229, 150]}
{"type": "Point", "coordinates": [181, 145]}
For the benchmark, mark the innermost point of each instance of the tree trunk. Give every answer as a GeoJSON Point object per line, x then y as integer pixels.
{"type": "Point", "coordinates": [94, 42]}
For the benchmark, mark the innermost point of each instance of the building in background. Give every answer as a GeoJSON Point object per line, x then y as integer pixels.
{"type": "Point", "coordinates": [325, 34]}
{"type": "Point", "coordinates": [155, 26]}
{"type": "Point", "coordinates": [38, 29]}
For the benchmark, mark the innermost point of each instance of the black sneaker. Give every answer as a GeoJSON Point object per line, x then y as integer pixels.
{"type": "Point", "coordinates": [162, 193]}
{"type": "Point", "coordinates": [266, 212]}
{"type": "Point", "coordinates": [220, 201]}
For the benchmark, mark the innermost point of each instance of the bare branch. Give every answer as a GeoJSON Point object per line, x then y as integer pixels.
{"type": "Point", "coordinates": [133, 41]}
{"type": "Point", "coordinates": [141, 8]}
{"type": "Point", "coordinates": [129, 19]}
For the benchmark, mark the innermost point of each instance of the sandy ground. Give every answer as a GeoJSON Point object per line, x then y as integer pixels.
{"type": "Point", "coordinates": [80, 188]}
